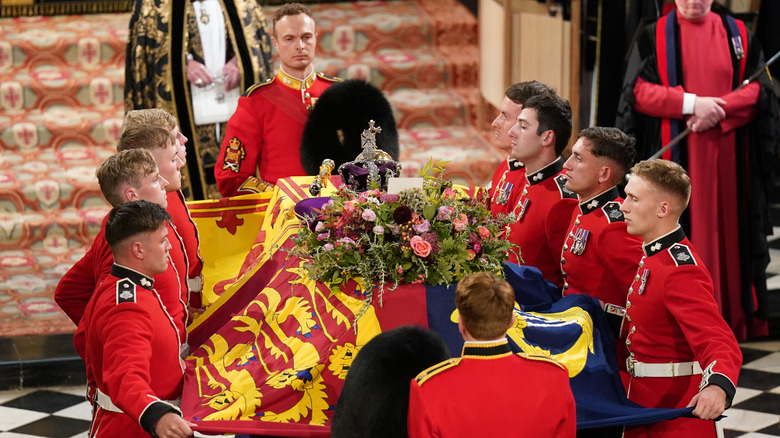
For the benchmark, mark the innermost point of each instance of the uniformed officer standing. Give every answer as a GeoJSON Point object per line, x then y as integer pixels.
{"type": "Point", "coordinates": [599, 257]}
{"type": "Point", "coordinates": [509, 177]}
{"type": "Point", "coordinates": [544, 204]}
{"type": "Point", "coordinates": [676, 332]}
{"type": "Point", "coordinates": [132, 343]}
{"type": "Point", "coordinates": [264, 134]}
{"type": "Point", "coordinates": [477, 394]}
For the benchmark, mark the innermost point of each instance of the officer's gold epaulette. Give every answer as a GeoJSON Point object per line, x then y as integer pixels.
{"type": "Point", "coordinates": [254, 87]}
{"type": "Point", "coordinates": [329, 78]}
{"type": "Point", "coordinates": [436, 369]}
{"type": "Point", "coordinates": [541, 358]}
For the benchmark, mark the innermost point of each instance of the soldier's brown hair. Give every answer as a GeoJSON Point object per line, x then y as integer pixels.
{"type": "Point", "coordinates": [522, 91]}
{"type": "Point", "coordinates": [486, 304]}
{"type": "Point", "coordinates": [290, 9]}
{"type": "Point", "coordinates": [613, 144]}
{"type": "Point", "coordinates": [145, 137]}
{"type": "Point", "coordinates": [126, 168]}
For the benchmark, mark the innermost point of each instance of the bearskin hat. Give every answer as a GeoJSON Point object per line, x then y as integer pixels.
{"type": "Point", "coordinates": [339, 117]}
{"type": "Point", "coordinates": [375, 398]}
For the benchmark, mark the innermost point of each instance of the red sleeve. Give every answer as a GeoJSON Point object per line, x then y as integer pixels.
{"type": "Point", "coordinates": [624, 256]}
{"type": "Point", "coordinates": [78, 284]}
{"type": "Point", "coordinates": [567, 428]}
{"type": "Point", "coordinates": [691, 302]}
{"type": "Point", "coordinates": [419, 421]}
{"type": "Point", "coordinates": [658, 100]}
{"type": "Point", "coordinates": [127, 353]}
{"type": "Point", "coordinates": [740, 107]}
{"type": "Point", "coordinates": [557, 225]}
{"type": "Point", "coordinates": [245, 128]}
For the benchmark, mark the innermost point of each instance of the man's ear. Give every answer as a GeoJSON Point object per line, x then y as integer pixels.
{"type": "Point", "coordinates": [605, 174]}
{"type": "Point", "coordinates": [130, 194]}
{"type": "Point", "coordinates": [275, 42]}
{"type": "Point", "coordinates": [548, 138]}
{"type": "Point", "coordinates": [664, 208]}
{"type": "Point", "coordinates": [137, 250]}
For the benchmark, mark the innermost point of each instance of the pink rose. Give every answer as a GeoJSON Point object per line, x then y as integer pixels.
{"type": "Point", "coordinates": [422, 227]}
{"type": "Point", "coordinates": [420, 247]}
{"type": "Point", "coordinates": [483, 232]}
{"type": "Point", "coordinates": [444, 213]}
{"type": "Point", "coordinates": [460, 223]}
{"type": "Point", "coordinates": [378, 229]}
{"type": "Point", "coordinates": [368, 215]}
{"type": "Point", "coordinates": [349, 207]}
{"type": "Point", "coordinates": [449, 194]}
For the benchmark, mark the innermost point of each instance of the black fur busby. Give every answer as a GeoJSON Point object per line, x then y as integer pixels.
{"type": "Point", "coordinates": [375, 397]}
{"type": "Point", "coordinates": [339, 117]}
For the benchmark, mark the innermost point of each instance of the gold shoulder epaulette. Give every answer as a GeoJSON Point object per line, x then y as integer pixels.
{"type": "Point", "coordinates": [436, 369]}
{"type": "Point", "coordinates": [329, 78]}
{"type": "Point", "coordinates": [542, 358]}
{"type": "Point", "coordinates": [254, 87]}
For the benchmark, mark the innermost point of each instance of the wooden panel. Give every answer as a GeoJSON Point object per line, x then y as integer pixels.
{"type": "Point", "coordinates": [540, 52]}
{"type": "Point", "coordinates": [492, 51]}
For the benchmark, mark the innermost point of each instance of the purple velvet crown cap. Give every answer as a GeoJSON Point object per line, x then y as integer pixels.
{"type": "Point", "coordinates": [305, 209]}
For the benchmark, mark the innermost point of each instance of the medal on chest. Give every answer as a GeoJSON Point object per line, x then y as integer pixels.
{"type": "Point", "coordinates": [522, 204]}
{"type": "Point", "coordinates": [580, 239]}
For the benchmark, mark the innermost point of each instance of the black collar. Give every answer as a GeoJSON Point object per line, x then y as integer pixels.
{"type": "Point", "coordinates": [513, 164]}
{"type": "Point", "coordinates": [545, 172]}
{"type": "Point", "coordinates": [663, 242]}
{"type": "Point", "coordinates": [486, 349]}
{"type": "Point", "coordinates": [599, 201]}
{"type": "Point", "coordinates": [136, 277]}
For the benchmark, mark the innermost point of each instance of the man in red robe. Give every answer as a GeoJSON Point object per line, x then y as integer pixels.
{"type": "Point", "coordinates": [681, 74]}
{"type": "Point", "coordinates": [264, 134]}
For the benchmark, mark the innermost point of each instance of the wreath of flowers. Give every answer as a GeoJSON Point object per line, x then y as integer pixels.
{"type": "Point", "coordinates": [432, 235]}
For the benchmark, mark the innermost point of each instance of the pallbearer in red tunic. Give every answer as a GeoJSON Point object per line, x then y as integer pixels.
{"type": "Point", "coordinates": [682, 73]}
{"type": "Point", "coordinates": [132, 344]}
{"type": "Point", "coordinates": [681, 351]}
{"type": "Point", "coordinates": [544, 204]}
{"type": "Point", "coordinates": [599, 257]}
{"type": "Point", "coordinates": [263, 137]}
{"type": "Point", "coordinates": [509, 177]}
{"type": "Point", "coordinates": [476, 395]}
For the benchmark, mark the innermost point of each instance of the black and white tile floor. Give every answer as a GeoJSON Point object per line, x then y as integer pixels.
{"type": "Point", "coordinates": [61, 412]}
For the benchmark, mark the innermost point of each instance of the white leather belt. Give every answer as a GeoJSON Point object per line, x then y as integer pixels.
{"type": "Point", "coordinates": [104, 401]}
{"type": "Point", "coordinates": [670, 369]}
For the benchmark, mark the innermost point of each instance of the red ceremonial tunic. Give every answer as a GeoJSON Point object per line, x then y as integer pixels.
{"type": "Point", "coordinates": [491, 392]}
{"type": "Point", "coordinates": [707, 71]}
{"type": "Point", "coordinates": [132, 348]}
{"type": "Point", "coordinates": [188, 231]}
{"type": "Point", "coordinates": [599, 257]}
{"type": "Point", "coordinates": [264, 134]}
{"type": "Point", "coordinates": [673, 317]}
{"type": "Point", "coordinates": [543, 207]}
{"type": "Point", "coordinates": [505, 186]}
{"type": "Point", "coordinates": [80, 282]}
{"type": "Point", "coordinates": [77, 285]}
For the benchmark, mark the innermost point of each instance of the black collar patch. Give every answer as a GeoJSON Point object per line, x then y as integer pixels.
{"type": "Point", "coordinates": [136, 277]}
{"type": "Point", "coordinates": [599, 201]}
{"type": "Point", "coordinates": [545, 172]}
{"type": "Point", "coordinates": [664, 242]}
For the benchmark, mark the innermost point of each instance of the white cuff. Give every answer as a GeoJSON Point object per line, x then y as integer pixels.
{"type": "Point", "coordinates": [689, 99]}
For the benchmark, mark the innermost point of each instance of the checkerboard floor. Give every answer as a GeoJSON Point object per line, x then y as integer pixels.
{"type": "Point", "coordinates": [61, 412]}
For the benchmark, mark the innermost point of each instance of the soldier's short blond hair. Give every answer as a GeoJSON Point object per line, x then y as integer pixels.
{"type": "Point", "coordinates": [666, 176]}
{"type": "Point", "coordinates": [151, 116]}
{"type": "Point", "coordinates": [126, 168]}
{"type": "Point", "coordinates": [145, 137]}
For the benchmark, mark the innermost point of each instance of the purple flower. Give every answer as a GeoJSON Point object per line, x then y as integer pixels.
{"type": "Point", "coordinates": [422, 227]}
{"type": "Point", "coordinates": [477, 247]}
{"type": "Point", "coordinates": [328, 247]}
{"type": "Point", "coordinates": [323, 236]}
{"type": "Point", "coordinates": [346, 241]}
{"type": "Point", "coordinates": [368, 215]}
{"type": "Point", "coordinates": [378, 229]}
{"type": "Point", "coordinates": [320, 227]}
